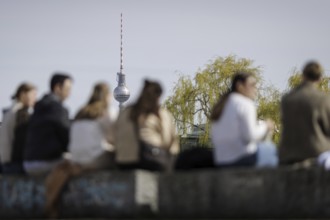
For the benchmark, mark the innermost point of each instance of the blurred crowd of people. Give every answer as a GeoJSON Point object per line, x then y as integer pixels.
{"type": "Point", "coordinates": [38, 136]}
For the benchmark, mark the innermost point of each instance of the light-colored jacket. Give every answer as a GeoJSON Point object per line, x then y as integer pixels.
{"type": "Point", "coordinates": [7, 132]}
{"type": "Point", "coordinates": [236, 133]}
{"type": "Point", "coordinates": [157, 131]}
{"type": "Point", "coordinates": [89, 139]}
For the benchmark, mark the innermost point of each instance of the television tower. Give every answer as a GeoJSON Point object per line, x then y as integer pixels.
{"type": "Point", "coordinates": [121, 92]}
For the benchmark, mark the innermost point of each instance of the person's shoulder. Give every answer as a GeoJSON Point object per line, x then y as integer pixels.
{"type": "Point", "coordinates": [16, 106]}
{"type": "Point", "coordinates": [54, 102]}
{"type": "Point", "coordinates": [49, 98]}
{"type": "Point", "coordinates": [240, 100]}
{"type": "Point", "coordinates": [13, 108]}
{"type": "Point", "coordinates": [317, 97]}
{"type": "Point", "coordinates": [10, 112]}
{"type": "Point", "coordinates": [165, 113]}
{"type": "Point", "coordinates": [237, 97]}
{"type": "Point", "coordinates": [163, 110]}
{"type": "Point", "coordinates": [293, 94]}
{"type": "Point", "coordinates": [49, 105]}
{"type": "Point", "coordinates": [286, 96]}
{"type": "Point", "coordinates": [46, 100]}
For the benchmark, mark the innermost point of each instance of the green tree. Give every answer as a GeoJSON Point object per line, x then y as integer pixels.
{"type": "Point", "coordinates": [295, 79]}
{"type": "Point", "coordinates": [193, 98]}
{"type": "Point", "coordinates": [269, 107]}
{"type": "Point", "coordinates": [182, 104]}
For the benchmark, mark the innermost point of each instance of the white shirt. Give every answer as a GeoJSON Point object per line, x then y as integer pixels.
{"type": "Point", "coordinates": [237, 131]}
{"type": "Point", "coordinates": [89, 139]}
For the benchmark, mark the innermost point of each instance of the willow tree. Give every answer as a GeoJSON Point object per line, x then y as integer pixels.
{"type": "Point", "coordinates": [269, 108]}
{"type": "Point", "coordinates": [193, 98]}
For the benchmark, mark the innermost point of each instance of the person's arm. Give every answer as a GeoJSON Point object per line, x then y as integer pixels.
{"type": "Point", "coordinates": [60, 117]}
{"type": "Point", "coordinates": [250, 128]}
{"type": "Point", "coordinates": [325, 117]}
{"type": "Point", "coordinates": [175, 146]}
{"type": "Point", "coordinates": [107, 128]}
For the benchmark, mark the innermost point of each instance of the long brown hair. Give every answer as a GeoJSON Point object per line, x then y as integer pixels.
{"type": "Point", "coordinates": [148, 100]}
{"type": "Point", "coordinates": [97, 104]}
{"type": "Point", "coordinates": [217, 110]}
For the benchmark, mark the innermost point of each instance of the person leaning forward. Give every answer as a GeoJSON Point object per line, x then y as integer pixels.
{"type": "Point", "coordinates": [305, 115]}
{"type": "Point", "coordinates": [144, 133]}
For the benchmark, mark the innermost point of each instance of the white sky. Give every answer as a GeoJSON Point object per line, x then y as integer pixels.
{"type": "Point", "coordinates": [162, 39]}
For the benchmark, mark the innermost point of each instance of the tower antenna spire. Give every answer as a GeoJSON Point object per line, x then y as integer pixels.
{"type": "Point", "coordinates": [121, 92]}
{"type": "Point", "coordinates": [121, 42]}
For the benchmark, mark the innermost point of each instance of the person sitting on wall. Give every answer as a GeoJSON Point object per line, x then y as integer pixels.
{"type": "Point", "coordinates": [90, 146]}
{"type": "Point", "coordinates": [48, 131]}
{"type": "Point", "coordinates": [91, 134]}
{"type": "Point", "coordinates": [145, 135]}
{"type": "Point", "coordinates": [236, 134]}
{"type": "Point", "coordinates": [305, 117]}
{"type": "Point", "coordinates": [13, 129]}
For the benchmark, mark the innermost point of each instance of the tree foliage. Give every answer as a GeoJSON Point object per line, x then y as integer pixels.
{"type": "Point", "coordinates": [295, 79]}
{"type": "Point", "coordinates": [182, 104]}
{"type": "Point", "coordinates": [269, 108]}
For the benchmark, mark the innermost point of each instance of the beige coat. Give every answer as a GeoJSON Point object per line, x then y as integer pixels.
{"type": "Point", "coordinates": [159, 132]}
{"type": "Point", "coordinates": [305, 114]}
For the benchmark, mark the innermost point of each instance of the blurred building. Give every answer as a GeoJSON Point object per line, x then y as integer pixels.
{"type": "Point", "coordinates": [192, 139]}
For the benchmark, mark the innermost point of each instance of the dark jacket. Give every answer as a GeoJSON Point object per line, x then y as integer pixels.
{"type": "Point", "coordinates": [305, 115]}
{"type": "Point", "coordinates": [21, 125]}
{"type": "Point", "coordinates": [48, 131]}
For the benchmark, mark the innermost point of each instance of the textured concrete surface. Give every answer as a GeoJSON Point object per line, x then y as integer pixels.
{"type": "Point", "coordinates": [21, 197]}
{"type": "Point", "coordinates": [246, 193]}
{"type": "Point", "coordinates": [231, 193]}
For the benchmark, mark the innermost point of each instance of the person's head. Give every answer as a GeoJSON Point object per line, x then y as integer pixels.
{"type": "Point", "coordinates": [101, 94]}
{"type": "Point", "coordinates": [26, 94]}
{"type": "Point", "coordinates": [148, 102]}
{"type": "Point", "coordinates": [312, 72]}
{"type": "Point", "coordinates": [245, 84]}
{"type": "Point", "coordinates": [97, 104]}
{"type": "Point", "coordinates": [60, 85]}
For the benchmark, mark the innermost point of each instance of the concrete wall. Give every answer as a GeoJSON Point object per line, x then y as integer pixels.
{"type": "Point", "coordinates": [231, 193]}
